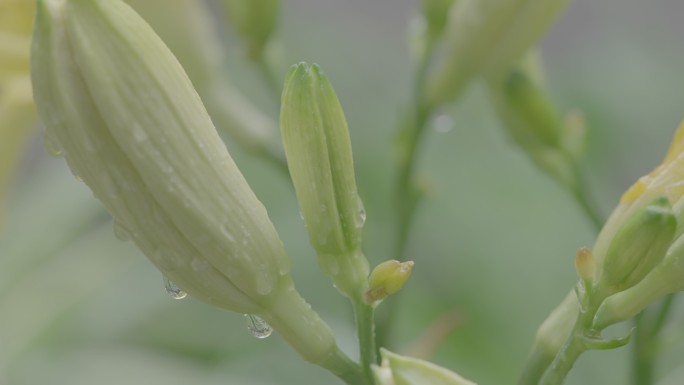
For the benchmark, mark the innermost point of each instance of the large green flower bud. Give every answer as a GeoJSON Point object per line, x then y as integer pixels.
{"type": "Point", "coordinates": [121, 110]}
{"type": "Point", "coordinates": [319, 157]}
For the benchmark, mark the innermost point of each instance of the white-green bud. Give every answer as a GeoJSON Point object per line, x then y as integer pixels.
{"type": "Point", "coordinates": [486, 37]}
{"type": "Point", "coordinates": [319, 157]}
{"type": "Point", "coordinates": [121, 110]}
{"type": "Point", "coordinates": [638, 246]}
{"type": "Point", "coordinates": [402, 370]}
{"type": "Point", "coordinates": [254, 20]}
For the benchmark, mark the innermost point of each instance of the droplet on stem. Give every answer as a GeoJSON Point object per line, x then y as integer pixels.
{"type": "Point", "coordinates": [258, 327]}
{"type": "Point", "coordinates": [174, 291]}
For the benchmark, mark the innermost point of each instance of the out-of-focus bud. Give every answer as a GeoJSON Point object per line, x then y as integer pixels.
{"type": "Point", "coordinates": [386, 279]}
{"type": "Point", "coordinates": [17, 119]}
{"type": "Point", "coordinates": [119, 107]}
{"type": "Point", "coordinates": [486, 37]}
{"type": "Point", "coordinates": [528, 114]}
{"type": "Point", "coordinates": [401, 370]}
{"type": "Point", "coordinates": [319, 156]}
{"type": "Point", "coordinates": [639, 245]}
{"type": "Point", "coordinates": [16, 18]}
{"type": "Point", "coordinates": [254, 20]}
{"type": "Point", "coordinates": [436, 13]}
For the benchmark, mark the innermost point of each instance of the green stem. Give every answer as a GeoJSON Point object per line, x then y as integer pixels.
{"type": "Point", "coordinates": [574, 345]}
{"type": "Point", "coordinates": [365, 328]}
{"type": "Point", "coordinates": [408, 195]}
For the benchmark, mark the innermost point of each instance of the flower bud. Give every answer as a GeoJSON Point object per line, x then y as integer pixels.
{"type": "Point", "coordinates": [584, 263]}
{"type": "Point", "coordinates": [401, 370]}
{"type": "Point", "coordinates": [486, 37]}
{"type": "Point", "coordinates": [318, 150]}
{"type": "Point", "coordinates": [638, 246]}
{"type": "Point", "coordinates": [386, 279]}
{"type": "Point", "coordinates": [436, 13]}
{"type": "Point", "coordinates": [125, 116]}
{"type": "Point", "coordinates": [254, 20]}
{"type": "Point", "coordinates": [17, 119]}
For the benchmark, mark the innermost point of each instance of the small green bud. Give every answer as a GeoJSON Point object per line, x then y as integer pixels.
{"type": "Point", "coordinates": [401, 370]}
{"type": "Point", "coordinates": [386, 279]}
{"type": "Point", "coordinates": [584, 263]}
{"type": "Point", "coordinates": [254, 20]}
{"type": "Point", "coordinates": [638, 246]}
{"type": "Point", "coordinates": [319, 156]}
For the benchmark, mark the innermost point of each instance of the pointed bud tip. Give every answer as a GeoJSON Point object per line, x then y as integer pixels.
{"type": "Point", "coordinates": [386, 279]}
{"type": "Point", "coordinates": [584, 263]}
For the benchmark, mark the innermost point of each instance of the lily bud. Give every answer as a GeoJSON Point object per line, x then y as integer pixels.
{"type": "Point", "coordinates": [121, 110]}
{"type": "Point", "coordinates": [401, 370]}
{"type": "Point", "coordinates": [639, 245]}
{"type": "Point", "coordinates": [386, 279]}
{"type": "Point", "coordinates": [254, 20]}
{"type": "Point", "coordinates": [584, 263]}
{"type": "Point", "coordinates": [319, 156]}
{"type": "Point", "coordinates": [483, 37]}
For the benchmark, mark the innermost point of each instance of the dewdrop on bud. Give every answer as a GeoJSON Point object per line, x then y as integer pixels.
{"type": "Point", "coordinates": [386, 279]}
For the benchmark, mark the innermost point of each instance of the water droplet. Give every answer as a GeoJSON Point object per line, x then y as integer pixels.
{"type": "Point", "coordinates": [174, 291]}
{"type": "Point", "coordinates": [121, 232]}
{"type": "Point", "coordinates": [258, 327]}
{"type": "Point", "coordinates": [52, 146]}
{"type": "Point", "coordinates": [443, 124]}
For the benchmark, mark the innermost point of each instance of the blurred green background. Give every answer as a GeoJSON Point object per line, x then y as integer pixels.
{"type": "Point", "coordinates": [493, 242]}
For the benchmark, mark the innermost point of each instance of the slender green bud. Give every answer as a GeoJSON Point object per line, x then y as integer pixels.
{"type": "Point", "coordinates": [639, 245]}
{"type": "Point", "coordinates": [253, 20]}
{"type": "Point", "coordinates": [401, 370]}
{"type": "Point", "coordinates": [386, 279]}
{"type": "Point", "coordinates": [319, 156]}
{"type": "Point", "coordinates": [119, 107]}
{"type": "Point", "coordinates": [486, 37]}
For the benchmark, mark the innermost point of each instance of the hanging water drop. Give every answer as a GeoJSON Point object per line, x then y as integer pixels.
{"type": "Point", "coordinates": [52, 146]}
{"type": "Point", "coordinates": [121, 232]}
{"type": "Point", "coordinates": [174, 291]}
{"type": "Point", "coordinates": [443, 124]}
{"type": "Point", "coordinates": [258, 327]}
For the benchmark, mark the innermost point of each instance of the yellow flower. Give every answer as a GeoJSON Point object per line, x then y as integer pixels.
{"type": "Point", "coordinates": [666, 179]}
